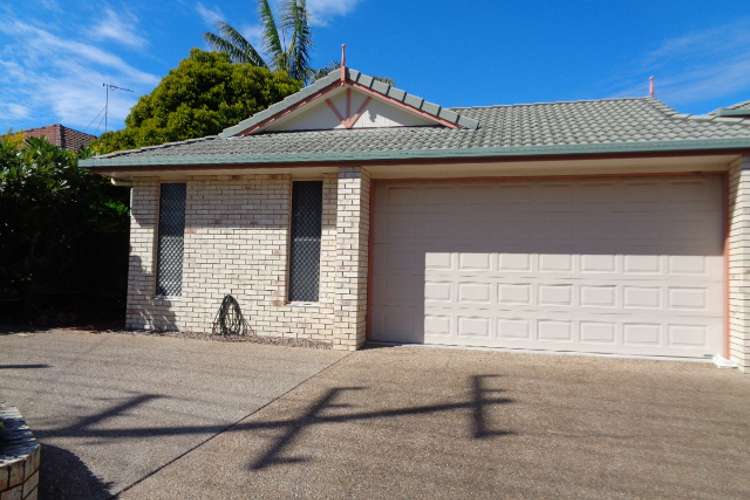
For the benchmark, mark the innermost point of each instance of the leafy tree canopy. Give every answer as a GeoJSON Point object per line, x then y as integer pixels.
{"type": "Point", "coordinates": [61, 227]}
{"type": "Point", "coordinates": [203, 95]}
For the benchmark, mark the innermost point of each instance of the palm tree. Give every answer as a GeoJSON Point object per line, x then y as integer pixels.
{"type": "Point", "coordinates": [292, 57]}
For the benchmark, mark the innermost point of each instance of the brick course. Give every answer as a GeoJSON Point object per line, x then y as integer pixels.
{"type": "Point", "coordinates": [19, 458]}
{"type": "Point", "coordinates": [352, 228]}
{"type": "Point", "coordinates": [236, 242]}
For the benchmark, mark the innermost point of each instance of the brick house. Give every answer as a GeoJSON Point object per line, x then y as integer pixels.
{"type": "Point", "coordinates": [356, 211]}
{"type": "Point", "coordinates": [61, 136]}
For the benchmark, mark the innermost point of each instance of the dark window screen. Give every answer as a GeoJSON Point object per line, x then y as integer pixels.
{"type": "Point", "coordinates": [304, 262]}
{"type": "Point", "coordinates": [171, 239]}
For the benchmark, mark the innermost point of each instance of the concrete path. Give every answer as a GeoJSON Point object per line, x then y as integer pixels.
{"type": "Point", "coordinates": [385, 423]}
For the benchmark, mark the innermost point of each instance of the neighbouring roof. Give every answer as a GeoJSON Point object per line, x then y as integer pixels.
{"type": "Point", "coordinates": [62, 136]}
{"type": "Point", "coordinates": [740, 109]}
{"type": "Point", "coordinates": [620, 125]}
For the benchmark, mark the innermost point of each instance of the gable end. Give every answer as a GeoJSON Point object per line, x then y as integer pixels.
{"type": "Point", "coordinates": [420, 111]}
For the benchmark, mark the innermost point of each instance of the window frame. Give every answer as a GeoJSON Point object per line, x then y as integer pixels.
{"type": "Point", "coordinates": [294, 296]}
{"type": "Point", "coordinates": [158, 257]}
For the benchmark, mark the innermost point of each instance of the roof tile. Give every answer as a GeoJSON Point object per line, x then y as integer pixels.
{"type": "Point", "coordinates": [608, 125]}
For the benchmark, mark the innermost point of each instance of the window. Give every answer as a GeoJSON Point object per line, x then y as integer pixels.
{"type": "Point", "coordinates": [171, 240]}
{"type": "Point", "coordinates": [304, 261]}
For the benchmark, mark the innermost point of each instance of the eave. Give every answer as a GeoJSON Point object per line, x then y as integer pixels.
{"type": "Point", "coordinates": [717, 146]}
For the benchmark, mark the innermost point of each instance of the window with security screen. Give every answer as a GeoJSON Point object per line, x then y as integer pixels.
{"type": "Point", "coordinates": [304, 261]}
{"type": "Point", "coordinates": [171, 240]}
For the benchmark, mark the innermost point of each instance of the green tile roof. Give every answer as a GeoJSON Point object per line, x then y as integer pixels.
{"type": "Point", "coordinates": [740, 109]}
{"type": "Point", "coordinates": [745, 105]}
{"type": "Point", "coordinates": [624, 125]}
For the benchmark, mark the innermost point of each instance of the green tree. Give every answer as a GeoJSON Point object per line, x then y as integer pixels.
{"type": "Point", "coordinates": [60, 230]}
{"type": "Point", "coordinates": [292, 57]}
{"type": "Point", "coordinates": [203, 95]}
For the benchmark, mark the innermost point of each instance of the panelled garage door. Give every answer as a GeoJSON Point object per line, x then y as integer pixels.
{"type": "Point", "coordinates": [608, 265]}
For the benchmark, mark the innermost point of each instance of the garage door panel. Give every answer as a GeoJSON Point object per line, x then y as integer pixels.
{"type": "Point", "coordinates": [598, 332]}
{"type": "Point", "coordinates": [515, 294]}
{"type": "Point", "coordinates": [514, 262]}
{"type": "Point", "coordinates": [438, 325]}
{"type": "Point", "coordinates": [615, 266]}
{"type": "Point", "coordinates": [598, 296]}
{"type": "Point", "coordinates": [470, 325]}
{"type": "Point", "coordinates": [400, 323]}
{"type": "Point", "coordinates": [592, 263]}
{"type": "Point", "coordinates": [438, 261]}
{"type": "Point", "coordinates": [401, 288]}
{"type": "Point", "coordinates": [563, 332]}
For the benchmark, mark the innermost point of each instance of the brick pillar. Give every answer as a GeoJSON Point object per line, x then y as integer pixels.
{"type": "Point", "coordinates": [352, 231]}
{"type": "Point", "coordinates": [739, 263]}
{"type": "Point", "coordinates": [144, 207]}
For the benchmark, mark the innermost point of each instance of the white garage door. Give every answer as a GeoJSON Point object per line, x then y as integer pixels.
{"type": "Point", "coordinates": [627, 266]}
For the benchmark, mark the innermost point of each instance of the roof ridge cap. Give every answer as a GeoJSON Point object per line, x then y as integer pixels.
{"type": "Point", "coordinates": [738, 104]}
{"type": "Point", "coordinates": [672, 113]}
{"type": "Point", "coordinates": [38, 128]}
{"type": "Point", "coordinates": [549, 103]}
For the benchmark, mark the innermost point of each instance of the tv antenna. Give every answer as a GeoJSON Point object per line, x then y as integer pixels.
{"type": "Point", "coordinates": [109, 86]}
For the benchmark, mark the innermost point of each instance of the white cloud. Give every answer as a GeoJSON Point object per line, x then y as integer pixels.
{"type": "Point", "coordinates": [695, 67]}
{"type": "Point", "coordinates": [707, 81]}
{"type": "Point", "coordinates": [120, 28]}
{"type": "Point", "coordinates": [14, 110]}
{"type": "Point", "coordinates": [321, 11]}
{"type": "Point", "coordinates": [718, 41]}
{"type": "Point", "coordinates": [43, 43]}
{"type": "Point", "coordinates": [53, 78]}
{"type": "Point", "coordinates": [210, 15]}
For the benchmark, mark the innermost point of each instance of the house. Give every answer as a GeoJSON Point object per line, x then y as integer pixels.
{"type": "Point", "coordinates": [61, 136]}
{"type": "Point", "coordinates": [354, 211]}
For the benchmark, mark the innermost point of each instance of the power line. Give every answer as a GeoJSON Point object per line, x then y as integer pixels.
{"type": "Point", "coordinates": [94, 118]}
{"type": "Point", "coordinates": [99, 123]}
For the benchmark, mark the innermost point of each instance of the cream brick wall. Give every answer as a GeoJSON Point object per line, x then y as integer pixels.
{"type": "Point", "coordinates": [236, 242]}
{"type": "Point", "coordinates": [739, 263]}
{"type": "Point", "coordinates": [352, 228]}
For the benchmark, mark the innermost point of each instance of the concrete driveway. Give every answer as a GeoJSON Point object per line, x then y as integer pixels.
{"type": "Point", "coordinates": [149, 417]}
{"type": "Point", "coordinates": [113, 408]}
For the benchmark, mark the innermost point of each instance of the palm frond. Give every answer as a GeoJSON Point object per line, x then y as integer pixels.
{"type": "Point", "coordinates": [239, 41]}
{"type": "Point", "coordinates": [237, 52]}
{"type": "Point", "coordinates": [295, 20]}
{"type": "Point", "coordinates": [220, 45]}
{"type": "Point", "coordinates": [271, 38]}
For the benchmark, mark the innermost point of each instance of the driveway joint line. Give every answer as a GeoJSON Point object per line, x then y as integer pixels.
{"type": "Point", "coordinates": [228, 427]}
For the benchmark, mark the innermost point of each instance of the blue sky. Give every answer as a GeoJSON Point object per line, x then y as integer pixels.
{"type": "Point", "coordinates": [55, 54]}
